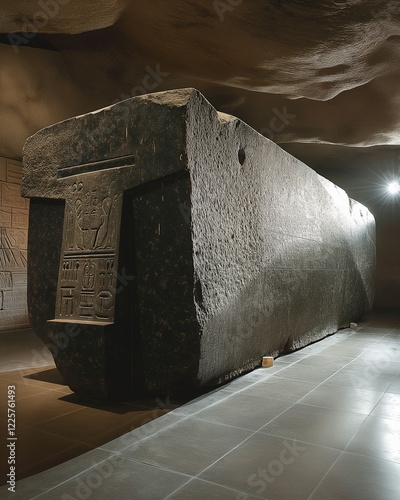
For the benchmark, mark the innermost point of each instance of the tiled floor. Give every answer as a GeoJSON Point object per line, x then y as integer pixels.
{"type": "Point", "coordinates": [322, 424]}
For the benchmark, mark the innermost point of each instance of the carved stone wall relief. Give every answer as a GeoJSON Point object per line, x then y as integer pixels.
{"type": "Point", "coordinates": [13, 247]}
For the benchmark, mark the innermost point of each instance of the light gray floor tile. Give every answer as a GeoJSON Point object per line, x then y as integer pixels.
{"type": "Point", "coordinates": [367, 368]}
{"type": "Point", "coordinates": [357, 477]}
{"type": "Point", "coordinates": [282, 388]}
{"type": "Point", "coordinates": [245, 411]}
{"type": "Point", "coordinates": [273, 468]}
{"type": "Point", "coordinates": [119, 478]}
{"type": "Point", "coordinates": [366, 379]}
{"type": "Point", "coordinates": [347, 399]}
{"type": "Point", "coordinates": [188, 447]}
{"type": "Point", "coordinates": [379, 354]}
{"type": "Point", "coordinates": [325, 360]}
{"type": "Point", "coordinates": [394, 387]}
{"type": "Point", "coordinates": [388, 407]}
{"type": "Point", "coordinates": [379, 438]}
{"type": "Point", "coordinates": [312, 424]}
{"type": "Point", "coordinates": [310, 373]}
{"type": "Point", "coordinates": [345, 350]}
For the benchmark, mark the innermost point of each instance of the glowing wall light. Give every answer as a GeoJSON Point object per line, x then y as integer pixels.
{"type": "Point", "coordinates": [393, 187]}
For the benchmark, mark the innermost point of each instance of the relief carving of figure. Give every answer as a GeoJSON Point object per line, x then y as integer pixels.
{"type": "Point", "coordinates": [113, 220]}
{"type": "Point", "coordinates": [104, 223]}
{"type": "Point", "coordinates": [80, 224]}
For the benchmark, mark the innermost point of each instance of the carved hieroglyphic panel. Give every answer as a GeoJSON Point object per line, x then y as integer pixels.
{"type": "Point", "coordinates": [88, 267]}
{"type": "Point", "coordinates": [13, 246]}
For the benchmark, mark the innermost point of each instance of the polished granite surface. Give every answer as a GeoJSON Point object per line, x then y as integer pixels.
{"type": "Point", "coordinates": [322, 424]}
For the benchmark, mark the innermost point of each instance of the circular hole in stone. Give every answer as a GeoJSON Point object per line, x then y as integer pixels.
{"type": "Point", "coordinates": [241, 156]}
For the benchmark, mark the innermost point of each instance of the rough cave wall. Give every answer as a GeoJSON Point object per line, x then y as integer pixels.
{"type": "Point", "coordinates": [234, 249]}
{"type": "Point", "coordinates": [13, 247]}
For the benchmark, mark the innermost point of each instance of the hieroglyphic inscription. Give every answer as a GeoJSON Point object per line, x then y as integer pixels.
{"type": "Point", "coordinates": [87, 276]}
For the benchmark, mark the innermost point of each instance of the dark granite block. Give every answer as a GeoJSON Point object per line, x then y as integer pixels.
{"type": "Point", "coordinates": [171, 246]}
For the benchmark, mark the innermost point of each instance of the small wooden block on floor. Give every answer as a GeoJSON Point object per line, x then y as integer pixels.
{"type": "Point", "coordinates": [267, 361]}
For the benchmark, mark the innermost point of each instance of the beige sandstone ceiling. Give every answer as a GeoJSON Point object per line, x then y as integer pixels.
{"type": "Point", "coordinates": [321, 78]}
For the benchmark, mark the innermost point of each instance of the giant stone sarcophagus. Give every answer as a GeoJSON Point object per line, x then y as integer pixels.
{"type": "Point", "coordinates": [172, 246]}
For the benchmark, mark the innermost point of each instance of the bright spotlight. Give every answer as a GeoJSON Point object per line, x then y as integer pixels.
{"type": "Point", "coordinates": [394, 187]}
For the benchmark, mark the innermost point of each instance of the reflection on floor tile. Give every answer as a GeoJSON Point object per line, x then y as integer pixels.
{"type": "Point", "coordinates": [388, 407]}
{"type": "Point", "coordinates": [348, 399]}
{"type": "Point", "coordinates": [367, 379]}
{"type": "Point", "coordinates": [394, 387]}
{"type": "Point", "coordinates": [379, 438]}
{"type": "Point", "coordinates": [312, 424]}
{"type": "Point", "coordinates": [370, 369]}
{"type": "Point", "coordinates": [357, 477]}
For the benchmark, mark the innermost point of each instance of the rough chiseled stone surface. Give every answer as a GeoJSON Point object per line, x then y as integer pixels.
{"type": "Point", "coordinates": [223, 248]}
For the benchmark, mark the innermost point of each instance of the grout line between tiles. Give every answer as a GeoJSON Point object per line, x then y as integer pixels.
{"type": "Point", "coordinates": [324, 476]}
